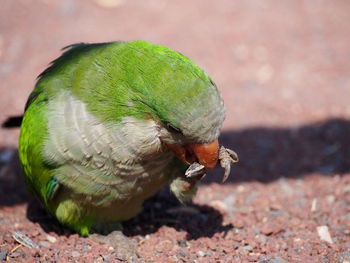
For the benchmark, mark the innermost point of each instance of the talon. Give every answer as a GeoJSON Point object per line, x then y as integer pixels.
{"type": "Point", "coordinates": [194, 170]}
{"type": "Point", "coordinates": [226, 157]}
{"type": "Point", "coordinates": [227, 166]}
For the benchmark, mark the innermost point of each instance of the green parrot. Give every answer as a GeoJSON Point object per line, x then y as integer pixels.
{"type": "Point", "coordinates": [108, 124]}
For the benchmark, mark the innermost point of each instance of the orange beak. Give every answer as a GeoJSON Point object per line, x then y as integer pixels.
{"type": "Point", "coordinates": [206, 154]}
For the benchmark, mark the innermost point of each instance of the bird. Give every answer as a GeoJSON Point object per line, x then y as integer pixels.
{"type": "Point", "coordinates": [109, 124]}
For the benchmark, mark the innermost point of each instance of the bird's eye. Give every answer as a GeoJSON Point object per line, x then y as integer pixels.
{"type": "Point", "coordinates": [172, 128]}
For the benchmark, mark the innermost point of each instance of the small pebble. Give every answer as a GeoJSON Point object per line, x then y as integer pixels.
{"type": "Point", "coordinates": [106, 258]}
{"type": "Point", "coordinates": [262, 239]}
{"type": "Point", "coordinates": [248, 248]}
{"type": "Point", "coordinates": [324, 234]}
{"type": "Point", "coordinates": [181, 254]}
{"type": "Point", "coordinates": [287, 234]}
{"type": "Point", "coordinates": [240, 189]}
{"type": "Point", "coordinates": [235, 245]}
{"type": "Point", "coordinates": [51, 239]}
{"type": "Point", "coordinates": [201, 253]}
{"type": "Point", "coordinates": [330, 199]}
{"type": "Point", "coordinates": [274, 260]}
{"type": "Point", "coordinates": [75, 254]}
{"type": "Point", "coordinates": [314, 205]}
{"type": "Point", "coordinates": [344, 257]}
{"type": "Point", "coordinates": [15, 254]}
{"type": "Point", "coordinates": [270, 228]}
{"type": "Point", "coordinates": [346, 189]}
{"type": "Point", "coordinates": [121, 257]}
{"type": "Point", "coordinates": [98, 260]}
{"type": "Point", "coordinates": [35, 233]}
{"type": "Point", "coordinates": [182, 243]}
{"type": "Point", "coordinates": [45, 244]}
{"type": "Point", "coordinates": [3, 254]}
{"type": "Point", "coordinates": [88, 247]}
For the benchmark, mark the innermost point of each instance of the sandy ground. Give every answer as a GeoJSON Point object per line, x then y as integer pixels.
{"type": "Point", "coordinates": [283, 70]}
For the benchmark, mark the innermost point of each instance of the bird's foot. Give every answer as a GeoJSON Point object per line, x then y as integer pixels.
{"type": "Point", "coordinates": [226, 157]}
{"type": "Point", "coordinates": [184, 188]}
{"type": "Point", "coordinates": [196, 171]}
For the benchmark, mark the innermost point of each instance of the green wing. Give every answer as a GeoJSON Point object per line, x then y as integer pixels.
{"type": "Point", "coordinates": [37, 174]}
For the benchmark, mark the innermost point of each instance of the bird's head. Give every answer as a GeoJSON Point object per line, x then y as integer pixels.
{"type": "Point", "coordinates": [191, 126]}
{"type": "Point", "coordinates": [182, 99]}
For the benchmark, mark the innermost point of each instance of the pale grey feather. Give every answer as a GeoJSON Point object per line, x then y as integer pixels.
{"type": "Point", "coordinates": [103, 160]}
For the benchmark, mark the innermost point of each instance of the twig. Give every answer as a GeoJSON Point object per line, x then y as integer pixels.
{"type": "Point", "coordinates": [13, 250]}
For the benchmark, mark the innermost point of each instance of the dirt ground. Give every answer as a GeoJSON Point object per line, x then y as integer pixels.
{"type": "Point", "coordinates": [283, 70]}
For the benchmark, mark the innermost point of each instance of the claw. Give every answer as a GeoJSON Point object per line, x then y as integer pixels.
{"type": "Point", "coordinates": [194, 170]}
{"type": "Point", "coordinates": [226, 157]}
{"type": "Point", "coordinates": [227, 166]}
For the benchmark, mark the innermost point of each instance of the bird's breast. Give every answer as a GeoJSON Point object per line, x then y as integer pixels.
{"type": "Point", "coordinates": [114, 157]}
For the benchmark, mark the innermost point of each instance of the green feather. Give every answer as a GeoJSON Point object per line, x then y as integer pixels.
{"type": "Point", "coordinates": [52, 188]}
{"type": "Point", "coordinates": [132, 73]}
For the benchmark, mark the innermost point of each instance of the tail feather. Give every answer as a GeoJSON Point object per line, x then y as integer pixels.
{"type": "Point", "coordinates": [12, 122]}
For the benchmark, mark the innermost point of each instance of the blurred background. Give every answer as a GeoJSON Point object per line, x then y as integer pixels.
{"type": "Point", "coordinates": [283, 67]}
{"type": "Point", "coordinates": [277, 63]}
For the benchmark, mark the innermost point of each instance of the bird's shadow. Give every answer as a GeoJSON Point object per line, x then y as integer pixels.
{"type": "Point", "coordinates": [266, 154]}
{"type": "Point", "coordinates": [164, 209]}
{"type": "Point", "coordinates": [160, 210]}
